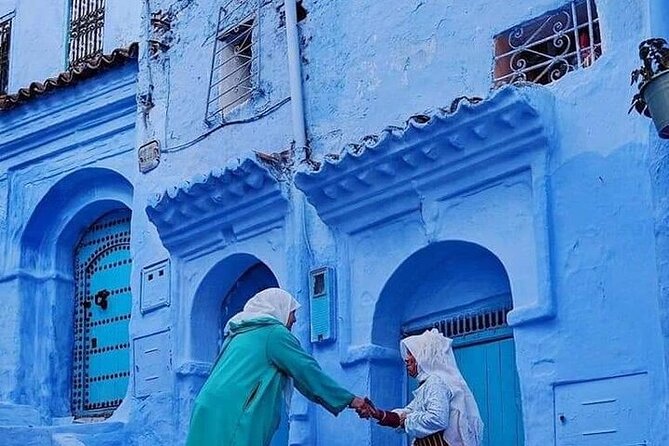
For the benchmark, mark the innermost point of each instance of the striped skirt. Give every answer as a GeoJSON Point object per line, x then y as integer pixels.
{"type": "Point", "coordinates": [432, 440]}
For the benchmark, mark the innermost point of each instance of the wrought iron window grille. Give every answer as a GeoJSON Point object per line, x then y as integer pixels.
{"type": "Point", "coordinates": [467, 324]}
{"type": "Point", "coordinates": [235, 68]}
{"type": "Point", "coordinates": [87, 19]}
{"type": "Point", "coordinates": [544, 49]}
{"type": "Point", "coordinates": [5, 46]}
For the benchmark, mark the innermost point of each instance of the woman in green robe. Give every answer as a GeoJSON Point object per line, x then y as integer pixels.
{"type": "Point", "coordinates": [240, 404]}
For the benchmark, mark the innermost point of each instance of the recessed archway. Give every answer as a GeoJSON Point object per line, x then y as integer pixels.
{"type": "Point", "coordinates": [46, 284]}
{"type": "Point", "coordinates": [221, 293]}
{"type": "Point", "coordinates": [463, 289]}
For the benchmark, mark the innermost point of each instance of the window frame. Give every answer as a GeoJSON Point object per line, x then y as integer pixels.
{"type": "Point", "coordinates": [234, 16]}
{"type": "Point", "coordinates": [560, 41]}
{"type": "Point", "coordinates": [98, 49]}
{"type": "Point", "coordinates": [6, 19]}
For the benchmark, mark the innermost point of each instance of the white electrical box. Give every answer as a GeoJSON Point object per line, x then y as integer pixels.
{"type": "Point", "coordinates": [322, 300]}
{"type": "Point", "coordinates": [155, 286]}
{"type": "Point", "coordinates": [603, 412]}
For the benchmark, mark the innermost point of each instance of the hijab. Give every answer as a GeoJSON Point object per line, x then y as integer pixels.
{"type": "Point", "coordinates": [274, 303]}
{"type": "Point", "coordinates": [434, 355]}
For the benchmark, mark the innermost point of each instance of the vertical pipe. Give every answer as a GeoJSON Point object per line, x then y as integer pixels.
{"type": "Point", "coordinates": [300, 423]}
{"type": "Point", "coordinates": [659, 18]}
{"type": "Point", "coordinates": [295, 76]}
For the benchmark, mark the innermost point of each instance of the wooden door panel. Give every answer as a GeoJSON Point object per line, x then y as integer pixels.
{"type": "Point", "coordinates": [490, 371]}
{"type": "Point", "coordinates": [104, 303]}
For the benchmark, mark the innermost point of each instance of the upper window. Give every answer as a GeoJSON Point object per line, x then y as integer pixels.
{"type": "Point", "coordinates": [87, 20]}
{"type": "Point", "coordinates": [5, 40]}
{"type": "Point", "coordinates": [546, 48]}
{"type": "Point", "coordinates": [234, 65]}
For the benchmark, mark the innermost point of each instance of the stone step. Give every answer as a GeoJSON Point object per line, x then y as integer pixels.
{"type": "Point", "coordinates": [19, 415]}
{"type": "Point", "coordinates": [75, 434]}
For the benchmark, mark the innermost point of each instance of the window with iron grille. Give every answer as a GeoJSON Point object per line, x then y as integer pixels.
{"type": "Point", "coordinates": [544, 49]}
{"type": "Point", "coordinates": [468, 324]}
{"type": "Point", "coordinates": [87, 20]}
{"type": "Point", "coordinates": [234, 68]}
{"type": "Point", "coordinates": [5, 42]}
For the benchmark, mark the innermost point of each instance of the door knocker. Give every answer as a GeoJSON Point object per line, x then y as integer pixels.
{"type": "Point", "coordinates": [101, 299]}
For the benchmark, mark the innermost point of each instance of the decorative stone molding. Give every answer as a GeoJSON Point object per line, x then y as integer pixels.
{"type": "Point", "coordinates": [385, 175]}
{"type": "Point", "coordinates": [211, 210]}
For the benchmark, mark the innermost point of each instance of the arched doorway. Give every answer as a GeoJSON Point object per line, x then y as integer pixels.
{"type": "Point", "coordinates": [103, 305]}
{"type": "Point", "coordinates": [463, 290]}
{"type": "Point", "coordinates": [222, 293]}
{"type": "Point", "coordinates": [48, 246]}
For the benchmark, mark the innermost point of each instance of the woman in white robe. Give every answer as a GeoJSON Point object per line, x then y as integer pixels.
{"type": "Point", "coordinates": [443, 410]}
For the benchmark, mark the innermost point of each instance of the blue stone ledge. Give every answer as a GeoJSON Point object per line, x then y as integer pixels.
{"type": "Point", "coordinates": [218, 208]}
{"type": "Point", "coordinates": [386, 175]}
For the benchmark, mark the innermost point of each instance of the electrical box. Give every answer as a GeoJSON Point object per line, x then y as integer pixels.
{"type": "Point", "coordinates": [603, 412]}
{"type": "Point", "coordinates": [152, 357]}
{"type": "Point", "coordinates": [322, 300]}
{"type": "Point", "coordinates": [155, 286]}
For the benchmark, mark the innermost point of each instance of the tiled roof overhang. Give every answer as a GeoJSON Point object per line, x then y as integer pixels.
{"type": "Point", "coordinates": [85, 70]}
{"type": "Point", "coordinates": [218, 208]}
{"type": "Point", "coordinates": [388, 174]}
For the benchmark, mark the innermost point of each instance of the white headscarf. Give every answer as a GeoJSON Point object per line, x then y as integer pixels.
{"type": "Point", "coordinates": [434, 355]}
{"type": "Point", "coordinates": [271, 302]}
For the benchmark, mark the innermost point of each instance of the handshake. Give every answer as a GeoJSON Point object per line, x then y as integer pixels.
{"type": "Point", "coordinates": [366, 409]}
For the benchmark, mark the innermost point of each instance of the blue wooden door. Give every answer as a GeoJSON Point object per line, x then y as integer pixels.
{"type": "Point", "coordinates": [485, 352]}
{"type": "Point", "coordinates": [103, 307]}
{"type": "Point", "coordinates": [490, 371]}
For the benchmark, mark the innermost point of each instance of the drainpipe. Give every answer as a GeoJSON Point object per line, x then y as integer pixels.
{"type": "Point", "coordinates": [300, 425]}
{"type": "Point", "coordinates": [295, 76]}
{"type": "Point", "coordinates": [659, 18]}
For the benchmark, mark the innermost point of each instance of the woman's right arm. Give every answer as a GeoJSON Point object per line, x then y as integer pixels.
{"type": "Point", "coordinates": [284, 350]}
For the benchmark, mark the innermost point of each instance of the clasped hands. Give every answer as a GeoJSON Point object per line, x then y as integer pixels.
{"type": "Point", "coordinates": [366, 409]}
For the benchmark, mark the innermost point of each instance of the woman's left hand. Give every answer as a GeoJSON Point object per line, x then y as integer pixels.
{"type": "Point", "coordinates": [403, 417]}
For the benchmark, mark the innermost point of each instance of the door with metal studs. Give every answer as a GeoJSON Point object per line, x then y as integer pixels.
{"type": "Point", "coordinates": [102, 314]}
{"type": "Point", "coordinates": [485, 353]}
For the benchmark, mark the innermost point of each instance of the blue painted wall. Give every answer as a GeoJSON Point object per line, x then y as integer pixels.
{"type": "Point", "coordinates": [576, 232]}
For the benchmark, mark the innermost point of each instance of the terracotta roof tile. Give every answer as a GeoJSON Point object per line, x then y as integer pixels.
{"type": "Point", "coordinates": [119, 56]}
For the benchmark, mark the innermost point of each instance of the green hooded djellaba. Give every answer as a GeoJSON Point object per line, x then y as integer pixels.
{"type": "Point", "coordinates": [240, 404]}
